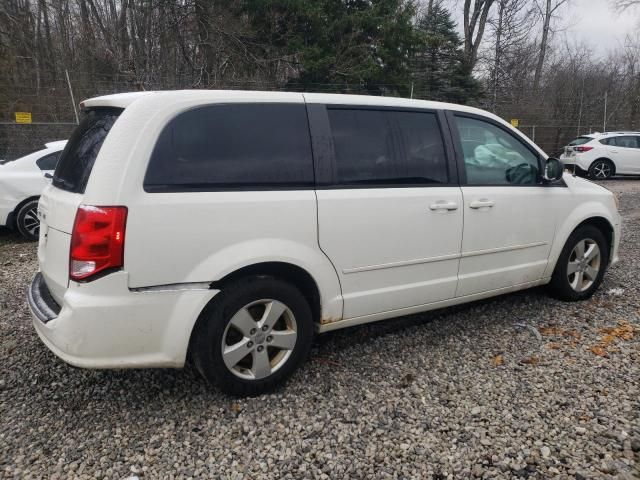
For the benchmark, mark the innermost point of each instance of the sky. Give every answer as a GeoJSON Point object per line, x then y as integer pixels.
{"type": "Point", "coordinates": [592, 22]}
{"type": "Point", "coordinates": [597, 24]}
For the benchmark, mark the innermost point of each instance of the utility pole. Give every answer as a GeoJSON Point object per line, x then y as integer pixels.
{"type": "Point", "coordinates": [604, 121]}
{"type": "Point", "coordinates": [580, 112]}
{"type": "Point", "coordinates": [73, 101]}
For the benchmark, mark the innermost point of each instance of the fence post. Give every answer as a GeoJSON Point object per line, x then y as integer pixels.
{"type": "Point", "coordinates": [73, 101]}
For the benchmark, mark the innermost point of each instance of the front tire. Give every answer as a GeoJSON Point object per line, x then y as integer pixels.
{"type": "Point", "coordinates": [27, 221]}
{"type": "Point", "coordinates": [252, 336]}
{"type": "Point", "coordinates": [581, 265]}
{"type": "Point", "coordinates": [601, 170]}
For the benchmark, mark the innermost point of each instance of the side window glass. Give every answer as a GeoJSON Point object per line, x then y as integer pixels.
{"type": "Point", "coordinates": [379, 147]}
{"type": "Point", "coordinates": [422, 147]}
{"type": "Point", "coordinates": [492, 156]}
{"type": "Point", "coordinates": [625, 142]}
{"type": "Point", "coordinates": [48, 162]}
{"type": "Point", "coordinates": [231, 146]}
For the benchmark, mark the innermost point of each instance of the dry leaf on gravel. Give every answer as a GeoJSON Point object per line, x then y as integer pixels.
{"type": "Point", "coordinates": [550, 331]}
{"type": "Point", "coordinates": [497, 360]}
{"type": "Point", "coordinates": [533, 360]}
{"type": "Point", "coordinates": [598, 350]}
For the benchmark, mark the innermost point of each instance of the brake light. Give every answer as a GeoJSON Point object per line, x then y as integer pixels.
{"type": "Point", "coordinates": [97, 240]}
{"type": "Point", "coordinates": [582, 149]}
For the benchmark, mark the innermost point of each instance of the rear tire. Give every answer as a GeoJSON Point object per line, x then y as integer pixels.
{"type": "Point", "coordinates": [27, 221]}
{"type": "Point", "coordinates": [581, 265]}
{"type": "Point", "coordinates": [601, 169]}
{"type": "Point", "coordinates": [265, 317]}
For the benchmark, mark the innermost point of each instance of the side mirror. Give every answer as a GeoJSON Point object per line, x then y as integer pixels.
{"type": "Point", "coordinates": [48, 175]}
{"type": "Point", "coordinates": [553, 170]}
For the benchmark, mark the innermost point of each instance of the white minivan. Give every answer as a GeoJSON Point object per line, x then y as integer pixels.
{"type": "Point", "coordinates": [227, 227]}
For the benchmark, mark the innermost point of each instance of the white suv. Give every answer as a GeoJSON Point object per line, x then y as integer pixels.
{"type": "Point", "coordinates": [602, 155]}
{"type": "Point", "coordinates": [228, 226]}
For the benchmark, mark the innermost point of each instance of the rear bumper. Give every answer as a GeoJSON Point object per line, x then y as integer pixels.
{"type": "Point", "coordinates": [103, 324]}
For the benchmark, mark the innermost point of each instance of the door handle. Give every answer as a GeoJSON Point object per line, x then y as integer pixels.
{"type": "Point", "coordinates": [483, 202]}
{"type": "Point", "coordinates": [443, 205]}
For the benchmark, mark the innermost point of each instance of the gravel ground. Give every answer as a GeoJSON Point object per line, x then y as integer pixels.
{"type": "Point", "coordinates": [520, 386]}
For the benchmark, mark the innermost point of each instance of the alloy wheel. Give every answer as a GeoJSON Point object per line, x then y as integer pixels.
{"type": "Point", "coordinates": [259, 339]}
{"type": "Point", "coordinates": [602, 170]}
{"type": "Point", "coordinates": [584, 265]}
{"type": "Point", "coordinates": [31, 222]}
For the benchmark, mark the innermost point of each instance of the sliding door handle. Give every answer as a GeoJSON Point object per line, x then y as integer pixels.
{"type": "Point", "coordinates": [482, 203]}
{"type": "Point", "coordinates": [443, 205]}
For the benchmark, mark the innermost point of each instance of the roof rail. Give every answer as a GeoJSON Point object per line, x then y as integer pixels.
{"type": "Point", "coordinates": [621, 132]}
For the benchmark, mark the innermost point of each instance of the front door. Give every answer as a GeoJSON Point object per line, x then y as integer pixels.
{"type": "Point", "coordinates": [390, 215]}
{"type": "Point", "coordinates": [509, 219]}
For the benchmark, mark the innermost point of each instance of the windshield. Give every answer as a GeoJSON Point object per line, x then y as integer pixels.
{"type": "Point", "coordinates": [580, 141]}
{"type": "Point", "coordinates": [76, 161]}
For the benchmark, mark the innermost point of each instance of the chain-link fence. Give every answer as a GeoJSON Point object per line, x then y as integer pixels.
{"type": "Point", "coordinates": [53, 107]}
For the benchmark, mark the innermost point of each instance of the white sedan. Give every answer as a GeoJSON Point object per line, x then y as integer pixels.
{"type": "Point", "coordinates": [21, 182]}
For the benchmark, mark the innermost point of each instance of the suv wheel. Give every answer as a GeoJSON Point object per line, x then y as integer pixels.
{"type": "Point", "coordinates": [601, 170]}
{"type": "Point", "coordinates": [253, 335]}
{"type": "Point", "coordinates": [581, 265]}
{"type": "Point", "coordinates": [27, 221]}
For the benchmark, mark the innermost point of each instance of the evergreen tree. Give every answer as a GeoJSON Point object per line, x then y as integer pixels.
{"type": "Point", "coordinates": [438, 69]}
{"type": "Point", "coordinates": [340, 42]}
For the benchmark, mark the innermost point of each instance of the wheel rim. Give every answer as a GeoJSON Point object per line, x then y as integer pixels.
{"type": "Point", "coordinates": [31, 222]}
{"type": "Point", "coordinates": [602, 170]}
{"type": "Point", "coordinates": [259, 339]}
{"type": "Point", "coordinates": [584, 265]}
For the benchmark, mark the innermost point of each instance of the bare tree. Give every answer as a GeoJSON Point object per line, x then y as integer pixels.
{"type": "Point", "coordinates": [510, 26]}
{"type": "Point", "coordinates": [547, 11]}
{"type": "Point", "coordinates": [475, 21]}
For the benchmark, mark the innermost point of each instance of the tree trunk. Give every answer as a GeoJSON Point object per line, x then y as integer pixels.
{"type": "Point", "coordinates": [543, 45]}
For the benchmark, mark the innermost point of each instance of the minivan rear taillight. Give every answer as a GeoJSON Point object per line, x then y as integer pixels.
{"type": "Point", "coordinates": [97, 241]}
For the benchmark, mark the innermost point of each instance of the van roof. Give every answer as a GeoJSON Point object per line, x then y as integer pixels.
{"type": "Point", "coordinates": [123, 100]}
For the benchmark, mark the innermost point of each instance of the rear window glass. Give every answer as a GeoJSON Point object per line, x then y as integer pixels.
{"type": "Point", "coordinates": [78, 156]}
{"type": "Point", "coordinates": [579, 141]}
{"type": "Point", "coordinates": [233, 146]}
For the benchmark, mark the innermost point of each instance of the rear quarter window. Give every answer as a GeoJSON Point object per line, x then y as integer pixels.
{"type": "Point", "coordinates": [233, 146]}
{"type": "Point", "coordinates": [48, 162]}
{"type": "Point", "coordinates": [77, 159]}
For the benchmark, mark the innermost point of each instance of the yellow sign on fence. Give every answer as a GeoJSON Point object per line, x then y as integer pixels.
{"type": "Point", "coordinates": [23, 117]}
{"type": "Point", "coordinates": [515, 122]}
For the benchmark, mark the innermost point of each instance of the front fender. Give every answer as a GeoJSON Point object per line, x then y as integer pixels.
{"type": "Point", "coordinates": [579, 214]}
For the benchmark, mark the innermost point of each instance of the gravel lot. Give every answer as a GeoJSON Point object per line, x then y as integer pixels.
{"type": "Point", "coordinates": [521, 386]}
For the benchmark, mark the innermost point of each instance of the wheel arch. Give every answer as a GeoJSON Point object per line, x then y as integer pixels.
{"type": "Point", "coordinates": [11, 219]}
{"type": "Point", "coordinates": [294, 274]}
{"type": "Point", "coordinates": [587, 213]}
{"type": "Point", "coordinates": [605, 159]}
{"type": "Point", "coordinates": [604, 226]}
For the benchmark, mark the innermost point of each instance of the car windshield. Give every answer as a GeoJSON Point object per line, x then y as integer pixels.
{"type": "Point", "coordinates": [580, 141]}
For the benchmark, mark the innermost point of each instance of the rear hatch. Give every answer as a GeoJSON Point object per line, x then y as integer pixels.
{"type": "Point", "coordinates": [569, 150]}
{"type": "Point", "coordinates": [60, 200]}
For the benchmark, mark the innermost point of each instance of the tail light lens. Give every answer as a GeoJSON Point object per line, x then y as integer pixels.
{"type": "Point", "coordinates": [582, 149]}
{"type": "Point", "coordinates": [97, 241]}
